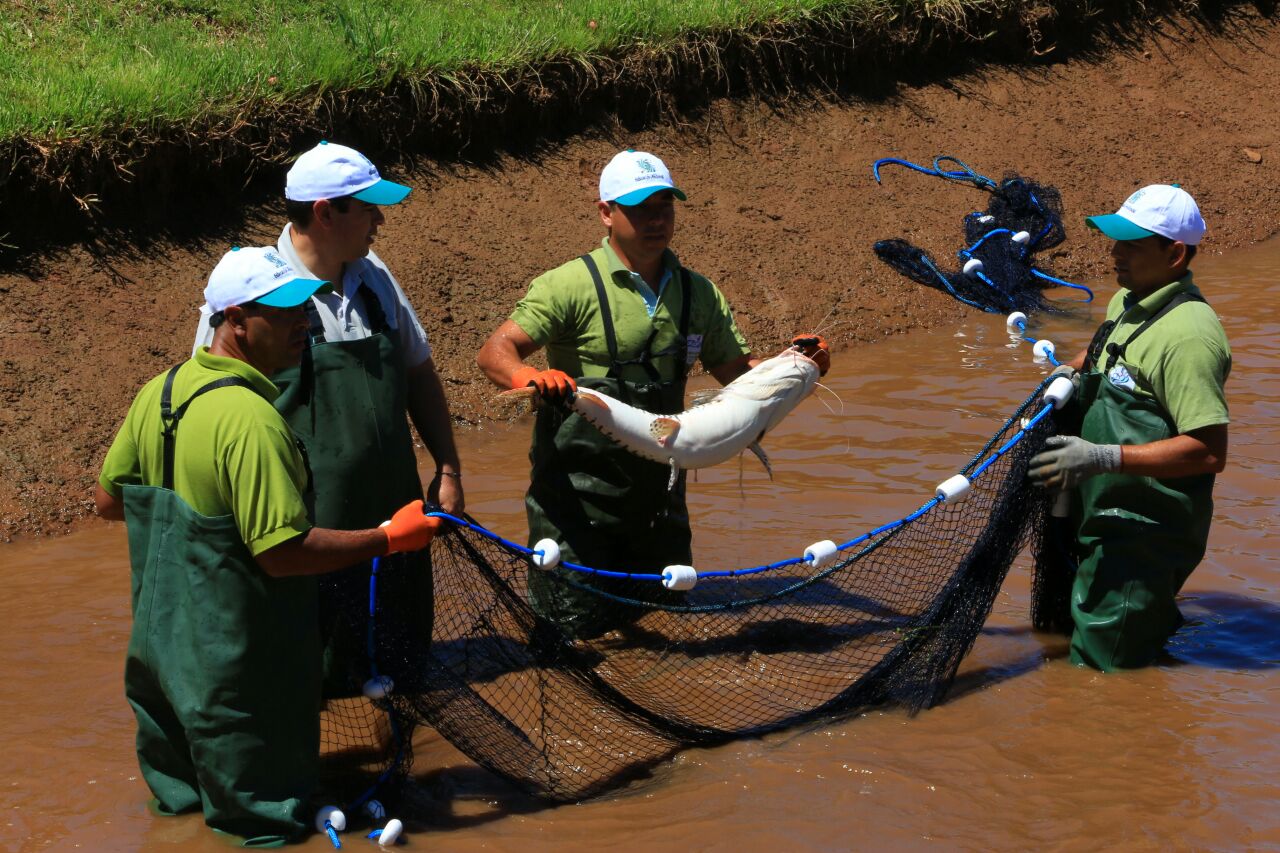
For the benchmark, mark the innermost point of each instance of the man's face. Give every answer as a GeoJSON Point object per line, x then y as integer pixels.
{"type": "Point", "coordinates": [274, 338]}
{"type": "Point", "coordinates": [643, 230]}
{"type": "Point", "coordinates": [350, 233]}
{"type": "Point", "coordinates": [1145, 265]}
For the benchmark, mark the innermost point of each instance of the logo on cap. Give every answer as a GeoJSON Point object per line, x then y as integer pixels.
{"type": "Point", "coordinates": [645, 166]}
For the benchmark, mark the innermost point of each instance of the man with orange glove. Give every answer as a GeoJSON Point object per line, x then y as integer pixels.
{"type": "Point", "coordinates": [630, 320]}
{"type": "Point", "coordinates": [224, 659]}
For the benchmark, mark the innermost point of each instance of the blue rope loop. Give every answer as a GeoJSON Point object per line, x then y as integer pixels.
{"type": "Point", "coordinates": [333, 835]}
{"type": "Point", "coordinates": [980, 463]}
{"type": "Point", "coordinates": [1064, 283]}
{"type": "Point", "coordinates": [963, 174]}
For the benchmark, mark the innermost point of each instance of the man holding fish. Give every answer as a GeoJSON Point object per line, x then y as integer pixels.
{"type": "Point", "coordinates": [627, 319]}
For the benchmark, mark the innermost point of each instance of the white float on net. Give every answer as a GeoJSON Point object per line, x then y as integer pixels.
{"type": "Point", "coordinates": [546, 554]}
{"type": "Point", "coordinates": [821, 554]}
{"type": "Point", "coordinates": [679, 577]}
{"type": "Point", "coordinates": [953, 489]}
{"type": "Point", "coordinates": [330, 816]}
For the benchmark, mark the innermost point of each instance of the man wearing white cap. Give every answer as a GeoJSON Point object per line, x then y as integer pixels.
{"type": "Point", "coordinates": [223, 666]}
{"type": "Point", "coordinates": [628, 319]}
{"type": "Point", "coordinates": [368, 365]}
{"type": "Point", "coordinates": [1152, 437]}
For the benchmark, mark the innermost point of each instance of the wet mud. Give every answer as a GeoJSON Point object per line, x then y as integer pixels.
{"type": "Point", "coordinates": [782, 213]}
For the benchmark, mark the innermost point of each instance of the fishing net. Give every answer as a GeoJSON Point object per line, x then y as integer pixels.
{"type": "Point", "coordinates": [887, 620]}
{"type": "Point", "coordinates": [997, 269]}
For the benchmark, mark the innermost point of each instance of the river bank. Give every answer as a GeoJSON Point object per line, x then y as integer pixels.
{"type": "Point", "coordinates": [782, 213]}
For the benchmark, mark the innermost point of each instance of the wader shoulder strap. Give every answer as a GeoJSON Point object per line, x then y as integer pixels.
{"type": "Point", "coordinates": [170, 418]}
{"type": "Point", "coordinates": [317, 325]}
{"type": "Point", "coordinates": [1115, 352]}
{"type": "Point", "coordinates": [646, 356]}
{"type": "Point", "coordinates": [373, 311]}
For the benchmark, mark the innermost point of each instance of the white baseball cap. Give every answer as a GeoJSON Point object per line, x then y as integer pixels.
{"type": "Point", "coordinates": [258, 275]}
{"type": "Point", "coordinates": [1164, 209]}
{"type": "Point", "coordinates": [332, 171]}
{"type": "Point", "coordinates": [633, 176]}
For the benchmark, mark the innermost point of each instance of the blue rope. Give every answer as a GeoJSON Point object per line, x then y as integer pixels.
{"type": "Point", "coordinates": [947, 284]}
{"type": "Point", "coordinates": [1022, 328]}
{"type": "Point", "coordinates": [962, 175]}
{"type": "Point", "coordinates": [1044, 275]}
{"type": "Point", "coordinates": [734, 573]}
{"type": "Point", "coordinates": [333, 835]}
{"type": "Point", "coordinates": [370, 646]}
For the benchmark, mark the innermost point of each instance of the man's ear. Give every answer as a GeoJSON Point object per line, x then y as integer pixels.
{"type": "Point", "coordinates": [235, 318]}
{"type": "Point", "coordinates": [606, 213]}
{"type": "Point", "coordinates": [1177, 253]}
{"type": "Point", "coordinates": [322, 212]}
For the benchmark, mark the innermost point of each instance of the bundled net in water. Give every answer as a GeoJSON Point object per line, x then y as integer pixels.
{"type": "Point", "coordinates": [999, 270]}
{"type": "Point", "coordinates": [887, 622]}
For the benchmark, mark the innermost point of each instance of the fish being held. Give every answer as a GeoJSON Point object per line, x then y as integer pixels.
{"type": "Point", "coordinates": [717, 427]}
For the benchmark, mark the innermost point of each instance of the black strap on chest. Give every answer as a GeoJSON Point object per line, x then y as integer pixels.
{"type": "Point", "coordinates": [373, 312]}
{"type": "Point", "coordinates": [1116, 351]}
{"type": "Point", "coordinates": [645, 357]}
{"type": "Point", "coordinates": [170, 418]}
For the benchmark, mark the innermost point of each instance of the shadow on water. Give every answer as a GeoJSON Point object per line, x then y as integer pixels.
{"type": "Point", "coordinates": [1227, 631]}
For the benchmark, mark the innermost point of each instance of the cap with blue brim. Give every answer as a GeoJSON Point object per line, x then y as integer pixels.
{"type": "Point", "coordinates": [632, 176]}
{"type": "Point", "coordinates": [1166, 210]}
{"type": "Point", "coordinates": [638, 196]}
{"type": "Point", "coordinates": [261, 275]}
{"type": "Point", "coordinates": [294, 293]}
{"type": "Point", "coordinates": [330, 170]}
{"type": "Point", "coordinates": [383, 192]}
{"type": "Point", "coordinates": [1117, 227]}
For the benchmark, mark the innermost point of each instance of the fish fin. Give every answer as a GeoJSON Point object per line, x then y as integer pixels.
{"type": "Point", "coordinates": [519, 401]}
{"type": "Point", "coordinates": [675, 475]}
{"type": "Point", "coordinates": [594, 400]}
{"type": "Point", "coordinates": [706, 395]}
{"type": "Point", "coordinates": [664, 429]}
{"type": "Point", "coordinates": [755, 448]}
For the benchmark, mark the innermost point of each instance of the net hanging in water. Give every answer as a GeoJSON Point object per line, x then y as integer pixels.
{"type": "Point", "coordinates": [997, 270]}
{"type": "Point", "coordinates": [888, 620]}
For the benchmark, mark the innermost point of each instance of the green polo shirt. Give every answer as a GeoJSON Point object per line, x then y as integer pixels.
{"type": "Point", "coordinates": [234, 454]}
{"type": "Point", "coordinates": [562, 313]}
{"type": "Point", "coordinates": [1182, 360]}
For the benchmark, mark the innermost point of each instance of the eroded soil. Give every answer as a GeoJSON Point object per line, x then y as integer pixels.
{"type": "Point", "coordinates": [782, 213]}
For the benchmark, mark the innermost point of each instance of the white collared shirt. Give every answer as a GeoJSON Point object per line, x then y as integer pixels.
{"type": "Point", "coordinates": [343, 314]}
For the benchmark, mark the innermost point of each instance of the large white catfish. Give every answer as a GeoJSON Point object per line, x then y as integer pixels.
{"type": "Point", "coordinates": [718, 427]}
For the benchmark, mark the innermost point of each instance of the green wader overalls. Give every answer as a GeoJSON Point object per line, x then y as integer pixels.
{"type": "Point", "coordinates": [606, 507]}
{"type": "Point", "coordinates": [1139, 537]}
{"type": "Point", "coordinates": [223, 666]}
{"type": "Point", "coordinates": [346, 403]}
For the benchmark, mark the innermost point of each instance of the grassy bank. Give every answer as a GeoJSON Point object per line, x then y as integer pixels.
{"type": "Point", "coordinates": [111, 111]}
{"type": "Point", "coordinates": [77, 68]}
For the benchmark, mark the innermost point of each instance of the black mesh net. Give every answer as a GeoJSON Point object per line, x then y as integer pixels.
{"type": "Point", "coordinates": [887, 622]}
{"type": "Point", "coordinates": [998, 269]}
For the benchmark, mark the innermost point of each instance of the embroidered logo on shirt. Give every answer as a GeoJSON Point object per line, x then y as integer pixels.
{"type": "Point", "coordinates": [1119, 376]}
{"type": "Point", "coordinates": [693, 346]}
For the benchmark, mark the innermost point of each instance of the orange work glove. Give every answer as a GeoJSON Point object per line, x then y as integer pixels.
{"type": "Point", "coordinates": [409, 529]}
{"type": "Point", "coordinates": [551, 384]}
{"type": "Point", "coordinates": [815, 347]}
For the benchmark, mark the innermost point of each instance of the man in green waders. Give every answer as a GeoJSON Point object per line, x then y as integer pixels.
{"type": "Point", "coordinates": [223, 667]}
{"type": "Point", "coordinates": [1153, 435]}
{"type": "Point", "coordinates": [368, 365]}
{"type": "Point", "coordinates": [629, 320]}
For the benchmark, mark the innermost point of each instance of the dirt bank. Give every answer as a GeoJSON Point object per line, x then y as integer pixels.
{"type": "Point", "coordinates": [782, 213]}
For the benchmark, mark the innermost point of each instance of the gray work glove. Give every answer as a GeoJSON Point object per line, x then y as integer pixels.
{"type": "Point", "coordinates": [1069, 372]}
{"type": "Point", "coordinates": [1067, 460]}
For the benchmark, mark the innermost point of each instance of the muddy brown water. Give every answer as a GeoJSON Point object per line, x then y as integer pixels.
{"type": "Point", "coordinates": [1028, 751]}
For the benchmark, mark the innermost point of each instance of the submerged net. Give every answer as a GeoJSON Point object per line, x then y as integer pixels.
{"type": "Point", "coordinates": [743, 653]}
{"type": "Point", "coordinates": [997, 270]}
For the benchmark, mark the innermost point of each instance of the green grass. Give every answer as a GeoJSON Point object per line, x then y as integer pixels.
{"type": "Point", "coordinates": [83, 69]}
